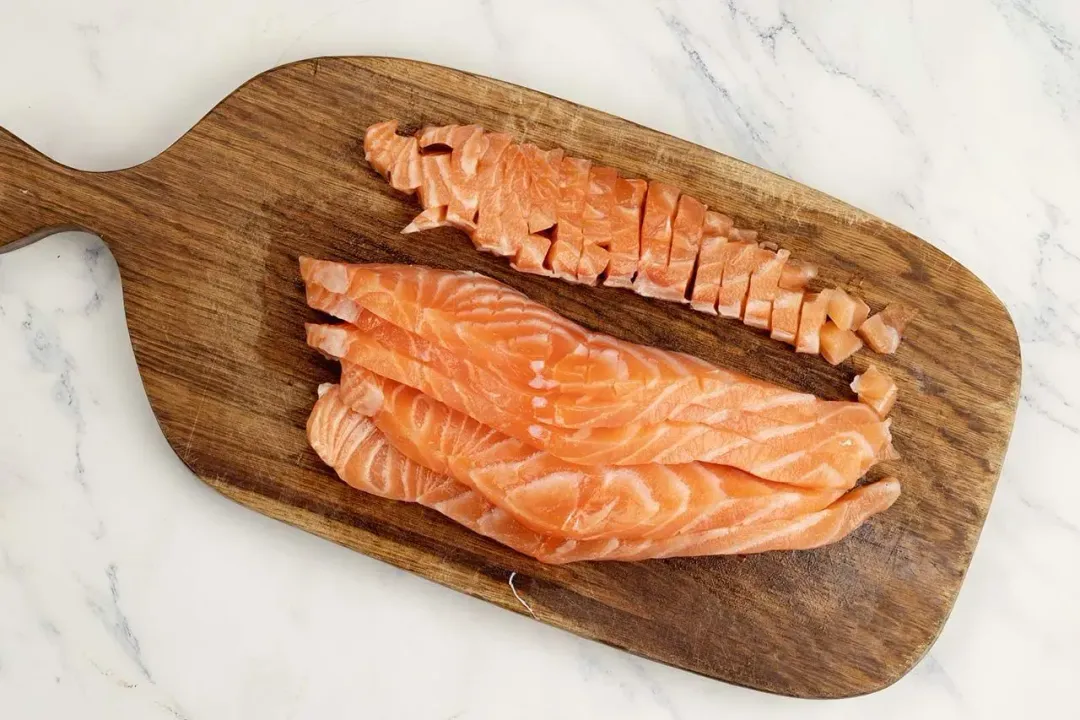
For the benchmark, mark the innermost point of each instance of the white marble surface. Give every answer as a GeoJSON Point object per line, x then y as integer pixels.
{"type": "Point", "coordinates": [129, 590]}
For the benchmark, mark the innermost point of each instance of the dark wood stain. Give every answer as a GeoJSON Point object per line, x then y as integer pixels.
{"type": "Point", "coordinates": [207, 235]}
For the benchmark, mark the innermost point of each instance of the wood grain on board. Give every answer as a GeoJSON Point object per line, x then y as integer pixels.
{"type": "Point", "coordinates": [207, 236]}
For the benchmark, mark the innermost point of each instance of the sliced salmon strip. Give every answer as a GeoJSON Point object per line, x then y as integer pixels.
{"type": "Point", "coordinates": [798, 453]}
{"type": "Point", "coordinates": [553, 496]}
{"type": "Point", "coordinates": [786, 309]}
{"type": "Point", "coordinates": [814, 312]}
{"type": "Point", "coordinates": [882, 331]}
{"type": "Point", "coordinates": [597, 221]}
{"type": "Point", "coordinates": [568, 240]}
{"type": "Point", "coordinates": [764, 284]}
{"type": "Point", "coordinates": [876, 389]}
{"type": "Point", "coordinates": [657, 226]}
{"type": "Point", "coordinates": [626, 232]}
{"type": "Point", "coordinates": [733, 419]}
{"type": "Point", "coordinates": [361, 456]}
{"type": "Point", "coordinates": [838, 345]}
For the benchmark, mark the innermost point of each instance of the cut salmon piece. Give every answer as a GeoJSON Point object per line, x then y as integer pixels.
{"type": "Point", "coordinates": [669, 281]}
{"type": "Point", "coordinates": [467, 144]}
{"type": "Point", "coordinates": [395, 157]}
{"type": "Point", "coordinates": [568, 239]}
{"type": "Point", "coordinates": [763, 288]}
{"type": "Point", "coordinates": [626, 232]}
{"type": "Point", "coordinates": [731, 301]}
{"type": "Point", "coordinates": [553, 496]}
{"type": "Point", "coordinates": [797, 275]}
{"type": "Point", "coordinates": [876, 389]}
{"type": "Point", "coordinates": [741, 235]}
{"type": "Point", "coordinates": [489, 193]}
{"type": "Point", "coordinates": [882, 332]}
{"type": "Point", "coordinates": [657, 226]}
{"type": "Point", "coordinates": [846, 311]}
{"type": "Point", "coordinates": [434, 190]}
{"type": "Point", "coordinates": [812, 318]}
{"type": "Point", "coordinates": [363, 458]}
{"type": "Point", "coordinates": [429, 219]}
{"type": "Point", "coordinates": [709, 274]}
{"type": "Point", "coordinates": [544, 359]}
{"type": "Point", "coordinates": [597, 221]}
{"type": "Point", "coordinates": [710, 262]}
{"type": "Point", "coordinates": [786, 309]}
{"type": "Point", "coordinates": [772, 448]}
{"type": "Point", "coordinates": [543, 187]}
{"type": "Point", "coordinates": [838, 345]}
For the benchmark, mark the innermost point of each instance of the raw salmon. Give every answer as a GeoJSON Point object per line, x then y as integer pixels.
{"type": "Point", "coordinates": [711, 259]}
{"type": "Point", "coordinates": [561, 216]}
{"type": "Point", "coordinates": [764, 285]}
{"type": "Point", "coordinates": [574, 378]}
{"type": "Point", "coordinates": [876, 389]}
{"type": "Point", "coordinates": [556, 497]}
{"type": "Point", "coordinates": [362, 457]}
{"type": "Point", "coordinates": [882, 331]}
{"type": "Point", "coordinates": [786, 310]}
{"type": "Point", "coordinates": [792, 454]}
{"type": "Point", "coordinates": [626, 232]}
{"type": "Point", "coordinates": [596, 226]}
{"type": "Point", "coordinates": [838, 345]}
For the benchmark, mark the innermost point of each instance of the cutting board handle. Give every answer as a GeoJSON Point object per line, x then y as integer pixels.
{"type": "Point", "coordinates": [39, 197]}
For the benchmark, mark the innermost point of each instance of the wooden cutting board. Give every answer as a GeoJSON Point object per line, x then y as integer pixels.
{"type": "Point", "coordinates": [207, 237]}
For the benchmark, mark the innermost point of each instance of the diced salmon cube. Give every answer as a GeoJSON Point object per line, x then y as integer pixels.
{"type": "Point", "coordinates": [882, 331]}
{"type": "Point", "coordinates": [862, 311]}
{"type": "Point", "coordinates": [875, 389]}
{"type": "Point", "coordinates": [786, 309]}
{"type": "Point", "coordinates": [797, 274]}
{"type": "Point", "coordinates": [838, 345]}
{"type": "Point", "coordinates": [814, 310]}
{"type": "Point", "coordinates": [842, 309]}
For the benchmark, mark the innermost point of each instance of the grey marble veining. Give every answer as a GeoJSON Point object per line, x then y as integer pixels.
{"type": "Point", "coordinates": [128, 589]}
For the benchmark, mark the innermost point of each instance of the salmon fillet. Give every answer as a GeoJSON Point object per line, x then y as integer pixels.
{"type": "Point", "coordinates": [362, 457]}
{"type": "Point", "coordinates": [770, 449]}
{"type": "Point", "coordinates": [553, 496]}
{"type": "Point", "coordinates": [775, 433]}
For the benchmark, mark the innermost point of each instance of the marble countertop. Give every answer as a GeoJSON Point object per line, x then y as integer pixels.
{"type": "Point", "coordinates": [128, 589]}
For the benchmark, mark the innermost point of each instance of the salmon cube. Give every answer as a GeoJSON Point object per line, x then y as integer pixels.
{"type": "Point", "coordinates": [882, 331]}
{"type": "Point", "coordinates": [842, 308]}
{"type": "Point", "coordinates": [796, 275]}
{"type": "Point", "coordinates": [862, 311]}
{"type": "Point", "coordinates": [785, 315]}
{"type": "Point", "coordinates": [815, 306]}
{"type": "Point", "coordinates": [875, 389]}
{"type": "Point", "coordinates": [838, 345]}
